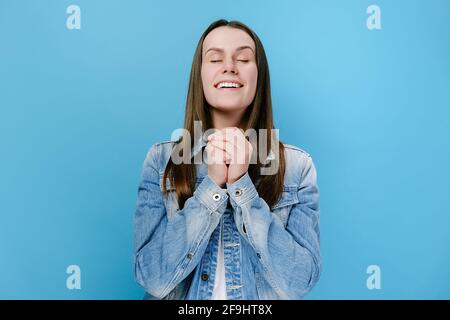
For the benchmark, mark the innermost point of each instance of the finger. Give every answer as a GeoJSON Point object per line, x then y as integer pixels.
{"type": "Point", "coordinates": [236, 155]}
{"type": "Point", "coordinates": [241, 149]}
{"type": "Point", "coordinates": [235, 137]}
{"type": "Point", "coordinates": [223, 145]}
{"type": "Point", "coordinates": [223, 134]}
{"type": "Point", "coordinates": [246, 142]}
{"type": "Point", "coordinates": [231, 141]}
{"type": "Point", "coordinates": [222, 154]}
{"type": "Point", "coordinates": [217, 155]}
{"type": "Point", "coordinates": [213, 155]}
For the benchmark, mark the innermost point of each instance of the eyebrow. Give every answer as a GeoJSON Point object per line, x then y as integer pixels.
{"type": "Point", "coordinates": [238, 49]}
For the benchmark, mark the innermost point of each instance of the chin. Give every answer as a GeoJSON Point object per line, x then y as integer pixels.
{"type": "Point", "coordinates": [229, 106]}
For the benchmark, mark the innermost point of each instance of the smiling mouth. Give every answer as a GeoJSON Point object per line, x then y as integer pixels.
{"type": "Point", "coordinates": [231, 85]}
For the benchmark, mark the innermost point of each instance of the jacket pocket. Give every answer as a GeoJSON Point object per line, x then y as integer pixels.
{"type": "Point", "coordinates": [263, 289]}
{"type": "Point", "coordinates": [283, 207]}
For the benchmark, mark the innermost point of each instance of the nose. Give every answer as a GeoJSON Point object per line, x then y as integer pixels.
{"type": "Point", "coordinates": [230, 66]}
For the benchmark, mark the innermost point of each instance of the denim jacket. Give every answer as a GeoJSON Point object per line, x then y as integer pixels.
{"type": "Point", "coordinates": [269, 253]}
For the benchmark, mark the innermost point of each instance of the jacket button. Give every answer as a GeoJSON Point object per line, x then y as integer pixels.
{"type": "Point", "coordinates": [189, 255]}
{"type": "Point", "coordinates": [205, 277]}
{"type": "Point", "coordinates": [216, 196]}
{"type": "Point", "coordinates": [238, 192]}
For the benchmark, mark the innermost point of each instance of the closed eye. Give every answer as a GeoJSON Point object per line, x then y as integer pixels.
{"type": "Point", "coordinates": [243, 60]}
{"type": "Point", "coordinates": [213, 61]}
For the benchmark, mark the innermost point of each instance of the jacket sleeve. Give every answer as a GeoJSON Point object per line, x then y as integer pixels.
{"type": "Point", "coordinates": [289, 257]}
{"type": "Point", "coordinates": [167, 250]}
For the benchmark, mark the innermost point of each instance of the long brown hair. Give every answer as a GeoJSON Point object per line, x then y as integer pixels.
{"type": "Point", "coordinates": [257, 116]}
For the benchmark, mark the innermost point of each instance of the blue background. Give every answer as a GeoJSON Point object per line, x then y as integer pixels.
{"type": "Point", "coordinates": [80, 108]}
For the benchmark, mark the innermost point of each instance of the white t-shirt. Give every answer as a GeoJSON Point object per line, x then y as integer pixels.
{"type": "Point", "coordinates": [220, 291]}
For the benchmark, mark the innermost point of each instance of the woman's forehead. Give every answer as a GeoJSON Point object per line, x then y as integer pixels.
{"type": "Point", "coordinates": [227, 38]}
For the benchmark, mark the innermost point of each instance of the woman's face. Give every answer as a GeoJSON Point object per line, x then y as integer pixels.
{"type": "Point", "coordinates": [229, 72]}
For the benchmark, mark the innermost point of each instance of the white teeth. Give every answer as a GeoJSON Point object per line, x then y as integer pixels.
{"type": "Point", "coordinates": [228, 85]}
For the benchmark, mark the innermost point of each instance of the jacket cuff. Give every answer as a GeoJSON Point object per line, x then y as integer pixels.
{"type": "Point", "coordinates": [211, 195]}
{"type": "Point", "coordinates": [242, 191]}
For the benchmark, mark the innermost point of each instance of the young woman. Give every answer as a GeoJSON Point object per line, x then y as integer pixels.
{"type": "Point", "coordinates": [227, 227]}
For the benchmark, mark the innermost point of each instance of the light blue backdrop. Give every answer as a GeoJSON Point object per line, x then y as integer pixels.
{"type": "Point", "coordinates": [80, 108]}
